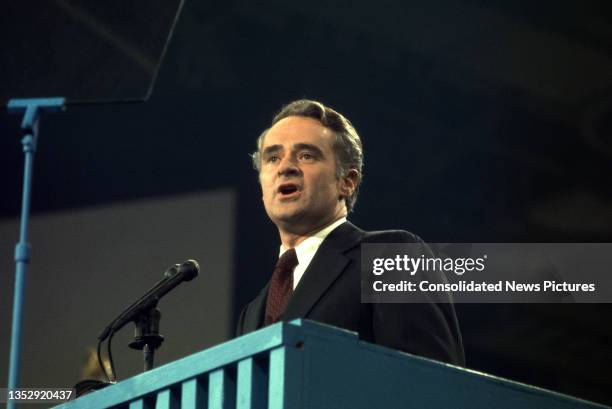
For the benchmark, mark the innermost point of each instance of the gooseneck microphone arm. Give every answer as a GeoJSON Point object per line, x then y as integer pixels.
{"type": "Point", "coordinates": [173, 277]}
{"type": "Point", "coordinates": [146, 316]}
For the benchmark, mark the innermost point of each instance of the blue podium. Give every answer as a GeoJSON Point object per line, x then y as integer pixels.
{"type": "Point", "coordinates": [307, 365]}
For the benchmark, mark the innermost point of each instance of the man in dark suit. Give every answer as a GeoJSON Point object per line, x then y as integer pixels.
{"type": "Point", "coordinates": [310, 162]}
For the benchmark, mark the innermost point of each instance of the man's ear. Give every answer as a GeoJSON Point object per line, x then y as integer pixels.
{"type": "Point", "coordinates": [349, 183]}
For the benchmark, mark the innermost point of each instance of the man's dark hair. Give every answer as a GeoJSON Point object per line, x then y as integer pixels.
{"type": "Point", "coordinates": [347, 147]}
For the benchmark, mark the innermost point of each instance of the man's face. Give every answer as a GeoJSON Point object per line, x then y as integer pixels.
{"type": "Point", "coordinates": [301, 192]}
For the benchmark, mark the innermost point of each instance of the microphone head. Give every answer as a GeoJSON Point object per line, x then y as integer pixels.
{"type": "Point", "coordinates": [189, 270]}
{"type": "Point", "coordinates": [172, 271]}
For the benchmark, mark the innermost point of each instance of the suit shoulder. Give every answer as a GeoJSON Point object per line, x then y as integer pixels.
{"type": "Point", "coordinates": [391, 236]}
{"type": "Point", "coordinates": [240, 324]}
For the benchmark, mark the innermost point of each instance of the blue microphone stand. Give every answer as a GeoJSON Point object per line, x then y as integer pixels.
{"type": "Point", "coordinates": [31, 109]}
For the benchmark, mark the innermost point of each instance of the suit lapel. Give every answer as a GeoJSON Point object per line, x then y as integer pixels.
{"type": "Point", "coordinates": [328, 263]}
{"type": "Point", "coordinates": [254, 317]}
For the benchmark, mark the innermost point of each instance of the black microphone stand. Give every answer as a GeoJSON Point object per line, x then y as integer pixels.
{"type": "Point", "coordinates": [146, 316]}
{"type": "Point", "coordinates": [146, 334]}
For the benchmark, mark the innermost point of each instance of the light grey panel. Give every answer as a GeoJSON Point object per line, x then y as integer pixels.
{"type": "Point", "coordinates": [88, 264]}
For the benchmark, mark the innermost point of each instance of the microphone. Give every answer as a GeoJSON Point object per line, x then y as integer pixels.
{"type": "Point", "coordinates": [172, 278]}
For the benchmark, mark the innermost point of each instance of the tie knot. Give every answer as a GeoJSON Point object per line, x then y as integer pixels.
{"type": "Point", "coordinates": [287, 261]}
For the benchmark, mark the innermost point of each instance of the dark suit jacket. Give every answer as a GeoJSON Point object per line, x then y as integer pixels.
{"type": "Point", "coordinates": [330, 292]}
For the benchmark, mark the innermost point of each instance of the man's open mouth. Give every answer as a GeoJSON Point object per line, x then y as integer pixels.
{"type": "Point", "coordinates": [287, 188]}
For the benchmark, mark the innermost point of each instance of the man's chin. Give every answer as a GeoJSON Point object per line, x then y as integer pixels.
{"type": "Point", "coordinates": [287, 217]}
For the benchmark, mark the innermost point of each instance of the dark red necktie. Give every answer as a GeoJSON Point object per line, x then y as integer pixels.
{"type": "Point", "coordinates": [281, 286]}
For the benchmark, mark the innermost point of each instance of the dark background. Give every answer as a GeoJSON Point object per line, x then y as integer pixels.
{"type": "Point", "coordinates": [481, 122]}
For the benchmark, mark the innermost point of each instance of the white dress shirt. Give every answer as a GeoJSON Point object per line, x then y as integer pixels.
{"type": "Point", "coordinates": [307, 249]}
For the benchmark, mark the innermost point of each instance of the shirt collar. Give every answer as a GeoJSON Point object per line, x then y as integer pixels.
{"type": "Point", "coordinates": [306, 250]}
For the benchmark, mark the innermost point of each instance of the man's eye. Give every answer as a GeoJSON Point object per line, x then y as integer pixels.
{"type": "Point", "coordinates": [306, 156]}
{"type": "Point", "coordinates": [272, 158]}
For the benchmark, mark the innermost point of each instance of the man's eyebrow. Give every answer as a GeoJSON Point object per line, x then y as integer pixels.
{"type": "Point", "coordinates": [309, 147]}
{"type": "Point", "coordinates": [271, 149]}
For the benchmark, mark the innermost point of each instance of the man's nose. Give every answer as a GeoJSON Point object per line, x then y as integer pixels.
{"type": "Point", "coordinates": [288, 167]}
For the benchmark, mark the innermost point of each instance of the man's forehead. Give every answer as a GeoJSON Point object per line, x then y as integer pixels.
{"type": "Point", "coordinates": [296, 130]}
